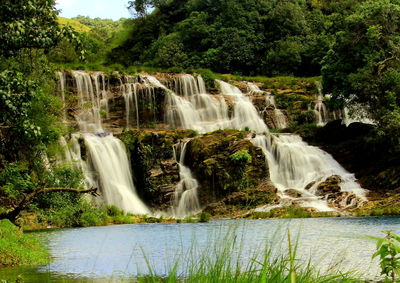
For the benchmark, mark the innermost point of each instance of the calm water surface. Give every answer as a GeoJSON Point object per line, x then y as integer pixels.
{"type": "Point", "coordinates": [115, 253]}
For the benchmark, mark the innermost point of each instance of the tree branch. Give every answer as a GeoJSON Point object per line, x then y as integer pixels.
{"type": "Point", "coordinates": [13, 213]}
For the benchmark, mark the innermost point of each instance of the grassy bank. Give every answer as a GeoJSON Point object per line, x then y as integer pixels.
{"type": "Point", "coordinates": [17, 248]}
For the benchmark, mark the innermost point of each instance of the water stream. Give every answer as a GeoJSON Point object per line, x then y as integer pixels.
{"type": "Point", "coordinates": [185, 200]}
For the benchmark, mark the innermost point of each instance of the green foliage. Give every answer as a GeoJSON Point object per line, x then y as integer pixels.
{"type": "Point", "coordinates": [243, 37]}
{"type": "Point", "coordinates": [16, 99]}
{"type": "Point", "coordinates": [388, 251]}
{"type": "Point", "coordinates": [241, 157]}
{"type": "Point", "coordinates": [204, 217]}
{"type": "Point", "coordinates": [112, 210]}
{"type": "Point", "coordinates": [17, 248]}
{"type": "Point", "coordinates": [363, 63]}
{"type": "Point", "coordinates": [14, 180]}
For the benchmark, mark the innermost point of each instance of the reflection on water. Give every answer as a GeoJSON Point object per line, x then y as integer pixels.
{"type": "Point", "coordinates": [116, 253]}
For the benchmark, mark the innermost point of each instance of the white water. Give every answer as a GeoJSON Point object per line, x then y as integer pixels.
{"type": "Point", "coordinates": [88, 118]}
{"type": "Point", "coordinates": [254, 89]}
{"type": "Point", "coordinates": [62, 87]}
{"type": "Point", "coordinates": [185, 201]}
{"type": "Point", "coordinates": [107, 165]}
{"type": "Point", "coordinates": [321, 113]}
{"type": "Point", "coordinates": [293, 165]}
{"type": "Point", "coordinates": [207, 112]}
{"type": "Point", "coordinates": [280, 119]}
{"type": "Point", "coordinates": [360, 115]}
{"type": "Point", "coordinates": [137, 94]}
{"type": "Point", "coordinates": [109, 160]}
{"type": "Point", "coordinates": [244, 113]}
{"type": "Point", "coordinates": [130, 93]}
{"type": "Point", "coordinates": [101, 91]}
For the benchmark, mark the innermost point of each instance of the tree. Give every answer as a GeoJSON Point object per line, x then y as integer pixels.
{"type": "Point", "coordinates": [28, 111]}
{"type": "Point", "coordinates": [363, 64]}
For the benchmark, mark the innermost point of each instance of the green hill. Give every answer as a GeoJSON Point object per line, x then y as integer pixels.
{"type": "Point", "coordinates": [74, 24]}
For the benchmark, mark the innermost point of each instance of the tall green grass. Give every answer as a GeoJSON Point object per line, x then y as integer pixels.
{"type": "Point", "coordinates": [225, 260]}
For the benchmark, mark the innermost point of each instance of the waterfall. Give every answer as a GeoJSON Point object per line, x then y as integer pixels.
{"type": "Point", "coordinates": [244, 113]}
{"type": "Point", "coordinates": [104, 163]}
{"type": "Point", "coordinates": [361, 115]}
{"type": "Point", "coordinates": [101, 91]}
{"type": "Point", "coordinates": [62, 87]}
{"type": "Point", "coordinates": [108, 158]}
{"type": "Point", "coordinates": [254, 89]}
{"type": "Point", "coordinates": [321, 113]}
{"type": "Point", "coordinates": [185, 200]}
{"type": "Point", "coordinates": [130, 94]}
{"type": "Point", "coordinates": [280, 119]}
{"type": "Point", "coordinates": [190, 107]}
{"type": "Point", "coordinates": [293, 164]}
{"type": "Point", "coordinates": [89, 118]}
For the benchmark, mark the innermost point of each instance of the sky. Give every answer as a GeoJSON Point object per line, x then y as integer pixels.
{"type": "Point", "coordinates": [105, 9]}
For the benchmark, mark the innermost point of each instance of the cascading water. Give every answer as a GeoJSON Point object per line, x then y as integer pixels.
{"type": "Point", "coordinates": [89, 118]}
{"type": "Point", "coordinates": [194, 109]}
{"type": "Point", "coordinates": [130, 94]}
{"type": "Point", "coordinates": [295, 165]}
{"type": "Point", "coordinates": [106, 165]}
{"type": "Point", "coordinates": [254, 89]}
{"type": "Point", "coordinates": [101, 91]}
{"type": "Point", "coordinates": [185, 200]}
{"type": "Point", "coordinates": [244, 113]}
{"type": "Point", "coordinates": [109, 160]}
{"type": "Point", "coordinates": [62, 86]}
{"type": "Point", "coordinates": [278, 117]}
{"type": "Point", "coordinates": [321, 113]}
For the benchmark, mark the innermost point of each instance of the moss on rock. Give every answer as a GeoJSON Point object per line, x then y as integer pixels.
{"type": "Point", "coordinates": [224, 162]}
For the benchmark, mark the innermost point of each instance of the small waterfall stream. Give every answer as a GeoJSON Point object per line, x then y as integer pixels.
{"type": "Point", "coordinates": [244, 113]}
{"type": "Point", "coordinates": [278, 117]}
{"type": "Point", "coordinates": [321, 113]}
{"type": "Point", "coordinates": [185, 200]}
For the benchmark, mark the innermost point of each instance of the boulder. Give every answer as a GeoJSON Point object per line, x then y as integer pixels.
{"type": "Point", "coordinates": [293, 193]}
{"type": "Point", "coordinates": [225, 162]}
{"type": "Point", "coordinates": [329, 186]}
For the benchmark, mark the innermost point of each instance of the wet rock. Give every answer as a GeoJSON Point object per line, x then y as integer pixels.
{"type": "Point", "coordinates": [265, 193]}
{"type": "Point", "coordinates": [225, 162]}
{"type": "Point", "coordinates": [344, 200]}
{"type": "Point", "coordinates": [309, 186]}
{"type": "Point", "coordinates": [293, 193]}
{"type": "Point", "coordinates": [329, 186]}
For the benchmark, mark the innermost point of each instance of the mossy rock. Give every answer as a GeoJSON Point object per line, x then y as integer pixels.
{"type": "Point", "coordinates": [224, 162]}
{"type": "Point", "coordinates": [242, 201]}
{"type": "Point", "coordinates": [151, 157]}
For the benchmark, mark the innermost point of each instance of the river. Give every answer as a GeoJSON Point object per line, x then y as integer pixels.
{"type": "Point", "coordinates": [119, 252]}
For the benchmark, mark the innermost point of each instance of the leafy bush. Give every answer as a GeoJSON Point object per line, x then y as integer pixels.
{"type": "Point", "coordinates": [241, 157]}
{"type": "Point", "coordinates": [388, 251]}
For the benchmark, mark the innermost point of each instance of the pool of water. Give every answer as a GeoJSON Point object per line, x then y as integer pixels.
{"type": "Point", "coordinates": [120, 252]}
